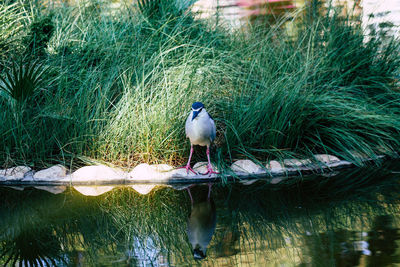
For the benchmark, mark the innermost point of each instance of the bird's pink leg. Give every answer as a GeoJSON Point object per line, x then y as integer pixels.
{"type": "Point", "coordinates": [209, 166]}
{"type": "Point", "coordinates": [187, 167]}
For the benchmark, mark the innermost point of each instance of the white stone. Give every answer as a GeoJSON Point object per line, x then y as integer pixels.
{"type": "Point", "coordinates": [180, 186]}
{"type": "Point", "coordinates": [274, 166]}
{"type": "Point", "coordinates": [97, 173]}
{"type": "Point", "coordinates": [162, 167]}
{"type": "Point", "coordinates": [52, 189]}
{"type": "Point", "coordinates": [329, 174]}
{"type": "Point", "coordinates": [28, 176]}
{"type": "Point", "coordinates": [146, 172]}
{"type": "Point", "coordinates": [201, 167]}
{"type": "Point", "coordinates": [19, 188]}
{"type": "Point", "coordinates": [342, 163]}
{"type": "Point", "coordinates": [53, 173]}
{"type": "Point", "coordinates": [143, 189]}
{"type": "Point", "coordinates": [276, 180]}
{"type": "Point", "coordinates": [248, 182]}
{"type": "Point", "coordinates": [181, 172]}
{"type": "Point", "coordinates": [296, 162]}
{"type": "Point", "coordinates": [16, 173]}
{"type": "Point", "coordinates": [247, 166]}
{"type": "Point", "coordinates": [325, 158]}
{"type": "Point", "coordinates": [93, 190]}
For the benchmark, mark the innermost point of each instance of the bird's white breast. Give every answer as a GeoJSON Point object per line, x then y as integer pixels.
{"type": "Point", "coordinates": [201, 130]}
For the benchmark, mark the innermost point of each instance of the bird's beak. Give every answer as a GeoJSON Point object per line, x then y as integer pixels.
{"type": "Point", "coordinates": [195, 113]}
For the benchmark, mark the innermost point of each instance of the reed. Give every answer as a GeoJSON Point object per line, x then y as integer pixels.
{"type": "Point", "coordinates": [124, 85]}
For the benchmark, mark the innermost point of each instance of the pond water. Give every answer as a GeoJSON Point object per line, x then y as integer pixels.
{"type": "Point", "coordinates": [350, 219]}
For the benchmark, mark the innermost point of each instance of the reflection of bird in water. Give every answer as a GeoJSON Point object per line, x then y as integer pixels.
{"type": "Point", "coordinates": [201, 223]}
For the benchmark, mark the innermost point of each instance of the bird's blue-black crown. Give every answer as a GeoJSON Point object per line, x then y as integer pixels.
{"type": "Point", "coordinates": [197, 105]}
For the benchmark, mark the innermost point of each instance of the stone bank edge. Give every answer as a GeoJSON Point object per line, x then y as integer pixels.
{"type": "Point", "coordinates": [273, 171]}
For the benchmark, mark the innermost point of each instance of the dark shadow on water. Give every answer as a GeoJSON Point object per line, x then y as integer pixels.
{"type": "Point", "coordinates": [345, 220]}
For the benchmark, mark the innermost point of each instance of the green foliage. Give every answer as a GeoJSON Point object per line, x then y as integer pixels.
{"type": "Point", "coordinates": [125, 87]}
{"type": "Point", "coordinates": [11, 19]}
{"type": "Point", "coordinates": [351, 59]}
{"type": "Point", "coordinates": [154, 10]}
{"type": "Point", "coordinates": [40, 32]}
{"type": "Point", "coordinates": [33, 247]}
{"type": "Point", "coordinates": [23, 79]}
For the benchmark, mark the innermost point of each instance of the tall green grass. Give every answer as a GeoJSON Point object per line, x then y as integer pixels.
{"type": "Point", "coordinates": [11, 25]}
{"type": "Point", "coordinates": [125, 83]}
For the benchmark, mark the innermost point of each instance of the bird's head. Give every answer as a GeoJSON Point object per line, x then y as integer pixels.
{"type": "Point", "coordinates": [197, 107]}
{"type": "Point", "coordinates": [199, 253]}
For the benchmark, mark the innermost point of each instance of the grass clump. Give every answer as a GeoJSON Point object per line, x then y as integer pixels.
{"type": "Point", "coordinates": [40, 33]}
{"type": "Point", "coordinates": [11, 29]}
{"type": "Point", "coordinates": [125, 80]}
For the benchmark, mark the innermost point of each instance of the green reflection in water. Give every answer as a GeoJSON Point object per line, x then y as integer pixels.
{"type": "Point", "coordinates": [345, 220]}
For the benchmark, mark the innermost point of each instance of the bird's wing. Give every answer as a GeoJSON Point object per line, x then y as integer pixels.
{"type": "Point", "coordinates": [213, 129]}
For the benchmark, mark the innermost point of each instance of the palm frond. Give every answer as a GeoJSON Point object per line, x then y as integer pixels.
{"type": "Point", "coordinates": [23, 79]}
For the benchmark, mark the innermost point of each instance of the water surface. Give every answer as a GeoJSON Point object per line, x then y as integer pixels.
{"type": "Point", "coordinates": [350, 219]}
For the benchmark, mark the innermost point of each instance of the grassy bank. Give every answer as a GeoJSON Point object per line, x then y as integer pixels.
{"type": "Point", "coordinates": [117, 87]}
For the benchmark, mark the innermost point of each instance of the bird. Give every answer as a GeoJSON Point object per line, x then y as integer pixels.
{"type": "Point", "coordinates": [201, 222]}
{"type": "Point", "coordinates": [200, 129]}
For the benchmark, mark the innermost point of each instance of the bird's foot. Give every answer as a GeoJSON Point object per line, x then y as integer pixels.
{"type": "Point", "coordinates": [188, 168]}
{"type": "Point", "coordinates": [209, 171]}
